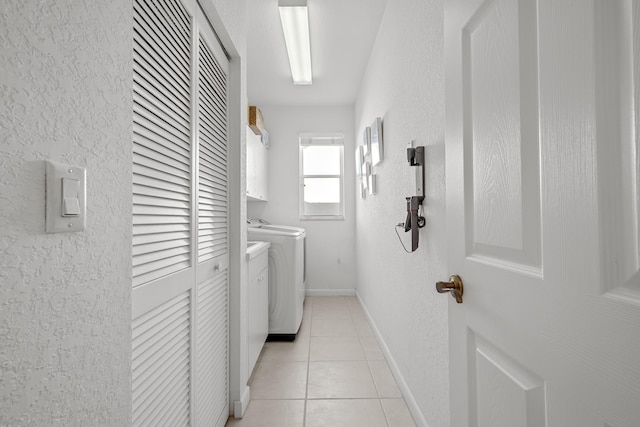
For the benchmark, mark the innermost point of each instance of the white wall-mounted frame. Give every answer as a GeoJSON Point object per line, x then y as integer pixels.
{"type": "Point", "coordinates": [372, 183]}
{"type": "Point", "coordinates": [366, 171]}
{"type": "Point", "coordinates": [366, 141]}
{"type": "Point", "coordinates": [359, 160]}
{"type": "Point", "coordinates": [377, 148]}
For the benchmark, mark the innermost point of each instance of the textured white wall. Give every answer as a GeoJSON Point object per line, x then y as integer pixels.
{"type": "Point", "coordinates": [330, 249]}
{"type": "Point", "coordinates": [404, 85]}
{"type": "Point", "coordinates": [65, 308]}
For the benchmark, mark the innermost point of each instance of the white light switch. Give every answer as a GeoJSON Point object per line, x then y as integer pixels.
{"type": "Point", "coordinates": [66, 198]}
{"type": "Point", "coordinates": [70, 202]}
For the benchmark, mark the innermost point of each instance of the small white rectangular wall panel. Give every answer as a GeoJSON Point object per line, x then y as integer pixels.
{"type": "Point", "coordinates": [505, 393]}
{"type": "Point", "coordinates": [503, 198]}
{"type": "Point", "coordinates": [66, 198]}
{"type": "Point", "coordinates": [617, 125]}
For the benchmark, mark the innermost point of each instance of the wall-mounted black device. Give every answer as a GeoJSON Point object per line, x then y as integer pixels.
{"type": "Point", "coordinates": [414, 221]}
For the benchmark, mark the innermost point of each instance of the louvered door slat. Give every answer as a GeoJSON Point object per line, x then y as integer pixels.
{"type": "Point", "coordinates": [147, 193]}
{"type": "Point", "coordinates": [215, 163]}
{"type": "Point", "coordinates": [214, 125]}
{"type": "Point", "coordinates": [152, 380]}
{"type": "Point", "coordinates": [172, 155]}
{"type": "Point", "coordinates": [151, 75]}
{"type": "Point", "coordinates": [216, 185]}
{"type": "Point", "coordinates": [158, 38]}
{"type": "Point", "coordinates": [177, 15]}
{"type": "Point", "coordinates": [213, 133]}
{"type": "Point", "coordinates": [160, 175]}
{"type": "Point", "coordinates": [165, 214]}
{"type": "Point", "coordinates": [146, 158]}
{"type": "Point", "coordinates": [172, 16]}
{"type": "Point", "coordinates": [215, 155]}
{"type": "Point", "coordinates": [215, 181]}
{"type": "Point", "coordinates": [150, 323]}
{"type": "Point", "coordinates": [151, 201]}
{"type": "Point", "coordinates": [216, 74]}
{"type": "Point", "coordinates": [162, 137]}
{"type": "Point", "coordinates": [179, 124]}
{"type": "Point", "coordinates": [213, 202]}
{"type": "Point", "coordinates": [156, 55]}
{"type": "Point", "coordinates": [144, 239]}
{"type": "Point", "coordinates": [154, 348]}
{"type": "Point", "coordinates": [212, 162]}
{"type": "Point", "coordinates": [146, 181]}
{"type": "Point", "coordinates": [160, 269]}
{"type": "Point", "coordinates": [166, 244]}
{"type": "Point", "coordinates": [214, 112]}
{"type": "Point", "coordinates": [153, 88]}
{"type": "Point", "coordinates": [161, 132]}
{"type": "Point", "coordinates": [212, 338]}
{"type": "Point", "coordinates": [154, 22]}
{"type": "Point", "coordinates": [213, 175]}
{"type": "Point", "coordinates": [148, 87]}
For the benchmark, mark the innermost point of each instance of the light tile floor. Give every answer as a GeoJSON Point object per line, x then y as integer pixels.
{"type": "Point", "coordinates": [334, 374]}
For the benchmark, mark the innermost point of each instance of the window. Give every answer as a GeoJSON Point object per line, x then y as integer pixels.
{"type": "Point", "coordinates": [321, 171]}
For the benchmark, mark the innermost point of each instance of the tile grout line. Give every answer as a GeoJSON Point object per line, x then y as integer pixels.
{"type": "Point", "coordinates": [373, 378]}
{"type": "Point", "coordinates": [306, 389]}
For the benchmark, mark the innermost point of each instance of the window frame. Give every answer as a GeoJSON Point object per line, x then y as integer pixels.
{"type": "Point", "coordinates": [320, 140]}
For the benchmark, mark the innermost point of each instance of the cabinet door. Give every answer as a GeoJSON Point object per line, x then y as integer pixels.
{"type": "Point", "coordinates": [262, 171]}
{"type": "Point", "coordinates": [256, 167]}
{"type": "Point", "coordinates": [258, 302]}
{"type": "Point", "coordinates": [251, 164]}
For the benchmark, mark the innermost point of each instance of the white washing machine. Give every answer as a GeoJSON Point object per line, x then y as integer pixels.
{"type": "Point", "coordinates": [286, 276]}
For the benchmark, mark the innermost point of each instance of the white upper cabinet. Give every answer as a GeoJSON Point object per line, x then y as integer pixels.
{"type": "Point", "coordinates": [257, 167]}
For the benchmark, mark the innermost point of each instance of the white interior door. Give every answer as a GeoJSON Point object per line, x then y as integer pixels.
{"type": "Point", "coordinates": [180, 228]}
{"type": "Point", "coordinates": [542, 101]}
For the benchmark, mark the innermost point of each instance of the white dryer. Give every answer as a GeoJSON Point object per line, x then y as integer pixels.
{"type": "Point", "coordinates": [286, 276]}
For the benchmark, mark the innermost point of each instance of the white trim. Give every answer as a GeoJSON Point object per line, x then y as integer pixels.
{"type": "Point", "coordinates": [312, 138]}
{"type": "Point", "coordinates": [409, 399]}
{"type": "Point", "coordinates": [330, 292]}
{"type": "Point", "coordinates": [240, 406]}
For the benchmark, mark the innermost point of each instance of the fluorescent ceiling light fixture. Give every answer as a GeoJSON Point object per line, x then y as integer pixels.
{"type": "Point", "coordinates": [294, 16]}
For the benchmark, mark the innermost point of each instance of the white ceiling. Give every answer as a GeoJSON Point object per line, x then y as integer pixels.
{"type": "Point", "coordinates": [342, 34]}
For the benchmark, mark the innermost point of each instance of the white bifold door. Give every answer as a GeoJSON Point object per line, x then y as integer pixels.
{"type": "Point", "coordinates": [543, 211]}
{"type": "Point", "coordinates": [180, 227]}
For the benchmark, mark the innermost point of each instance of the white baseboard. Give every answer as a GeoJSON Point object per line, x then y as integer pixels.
{"type": "Point", "coordinates": [240, 406]}
{"type": "Point", "coordinates": [330, 292]}
{"type": "Point", "coordinates": [418, 417]}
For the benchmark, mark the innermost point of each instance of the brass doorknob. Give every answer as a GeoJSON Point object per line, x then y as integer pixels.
{"type": "Point", "coordinates": [454, 286]}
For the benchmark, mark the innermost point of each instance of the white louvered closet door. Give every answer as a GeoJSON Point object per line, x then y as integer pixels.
{"type": "Point", "coordinates": [180, 227]}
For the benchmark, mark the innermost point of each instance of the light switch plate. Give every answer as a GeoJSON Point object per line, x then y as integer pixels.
{"type": "Point", "coordinates": [55, 222]}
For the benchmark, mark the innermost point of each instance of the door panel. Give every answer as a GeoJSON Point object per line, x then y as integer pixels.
{"type": "Point", "coordinates": [500, 127]}
{"type": "Point", "coordinates": [180, 229]}
{"type": "Point", "coordinates": [617, 97]}
{"type": "Point", "coordinates": [542, 208]}
{"type": "Point", "coordinates": [503, 392]}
